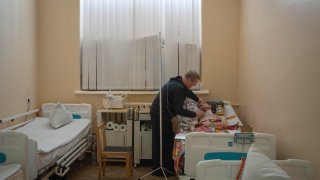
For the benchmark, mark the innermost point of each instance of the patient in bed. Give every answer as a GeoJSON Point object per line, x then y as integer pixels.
{"type": "Point", "coordinates": [210, 122]}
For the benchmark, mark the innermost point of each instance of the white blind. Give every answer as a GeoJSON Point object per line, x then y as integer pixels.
{"type": "Point", "coordinates": [120, 43]}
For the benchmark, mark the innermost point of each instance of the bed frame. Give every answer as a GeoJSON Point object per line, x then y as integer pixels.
{"type": "Point", "coordinates": [199, 145]}
{"type": "Point", "coordinates": [225, 170]}
{"type": "Point", "coordinates": [62, 166]}
{"type": "Point", "coordinates": [14, 147]}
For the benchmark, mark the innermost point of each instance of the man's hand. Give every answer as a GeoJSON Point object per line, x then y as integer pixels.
{"type": "Point", "coordinates": [200, 101]}
{"type": "Point", "coordinates": [200, 114]}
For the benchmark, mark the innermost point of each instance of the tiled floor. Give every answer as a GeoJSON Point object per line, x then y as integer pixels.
{"type": "Point", "coordinates": [85, 170]}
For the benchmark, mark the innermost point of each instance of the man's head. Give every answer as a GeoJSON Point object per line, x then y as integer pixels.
{"type": "Point", "coordinates": [191, 78]}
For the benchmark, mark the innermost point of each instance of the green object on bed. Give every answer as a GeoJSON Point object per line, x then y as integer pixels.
{"type": "Point", "coordinates": [76, 116]}
{"type": "Point", "coordinates": [3, 157]}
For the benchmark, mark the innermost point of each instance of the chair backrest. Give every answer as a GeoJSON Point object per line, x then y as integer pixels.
{"type": "Point", "coordinates": [14, 150]}
{"type": "Point", "coordinates": [101, 137]}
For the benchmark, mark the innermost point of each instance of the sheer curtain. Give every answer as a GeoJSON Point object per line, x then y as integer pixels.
{"type": "Point", "coordinates": [120, 43]}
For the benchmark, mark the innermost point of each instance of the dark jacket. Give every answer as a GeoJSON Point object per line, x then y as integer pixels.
{"type": "Point", "coordinates": [174, 93]}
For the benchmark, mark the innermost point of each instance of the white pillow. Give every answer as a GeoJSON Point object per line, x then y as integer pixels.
{"type": "Point", "coordinates": [60, 116]}
{"type": "Point", "coordinates": [260, 166]}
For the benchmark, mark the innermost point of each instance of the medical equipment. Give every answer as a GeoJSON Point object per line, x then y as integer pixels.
{"type": "Point", "coordinates": [244, 138]}
{"type": "Point", "coordinates": [142, 133]}
{"type": "Point", "coordinates": [113, 102]}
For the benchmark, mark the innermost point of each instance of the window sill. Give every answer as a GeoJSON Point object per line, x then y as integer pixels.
{"type": "Point", "coordinates": [80, 92]}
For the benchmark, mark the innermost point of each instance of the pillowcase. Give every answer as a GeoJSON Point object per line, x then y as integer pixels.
{"type": "Point", "coordinates": [260, 167]}
{"type": "Point", "coordinates": [60, 116]}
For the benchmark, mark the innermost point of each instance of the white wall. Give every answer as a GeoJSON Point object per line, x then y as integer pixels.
{"type": "Point", "coordinates": [18, 56]}
{"type": "Point", "coordinates": [279, 73]}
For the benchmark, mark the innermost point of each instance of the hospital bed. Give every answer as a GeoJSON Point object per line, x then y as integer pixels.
{"type": "Point", "coordinates": [54, 150]}
{"type": "Point", "coordinates": [13, 155]}
{"type": "Point", "coordinates": [199, 146]}
{"type": "Point", "coordinates": [225, 170]}
{"type": "Point", "coordinates": [296, 169]}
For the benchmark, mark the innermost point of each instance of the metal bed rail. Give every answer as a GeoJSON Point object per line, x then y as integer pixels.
{"type": "Point", "coordinates": [63, 164]}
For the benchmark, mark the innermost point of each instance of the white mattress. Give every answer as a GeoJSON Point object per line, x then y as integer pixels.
{"type": "Point", "coordinates": [54, 143]}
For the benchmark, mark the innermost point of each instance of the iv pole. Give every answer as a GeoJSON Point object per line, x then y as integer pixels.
{"type": "Point", "coordinates": [162, 43]}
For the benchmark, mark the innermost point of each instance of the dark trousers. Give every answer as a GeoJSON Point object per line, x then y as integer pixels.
{"type": "Point", "coordinates": [167, 142]}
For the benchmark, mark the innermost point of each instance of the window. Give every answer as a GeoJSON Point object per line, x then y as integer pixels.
{"type": "Point", "coordinates": [124, 42]}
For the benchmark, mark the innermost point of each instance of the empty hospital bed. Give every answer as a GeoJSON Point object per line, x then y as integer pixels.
{"type": "Point", "coordinates": [52, 150]}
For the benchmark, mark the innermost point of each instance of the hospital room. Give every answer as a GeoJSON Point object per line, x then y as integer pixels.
{"type": "Point", "coordinates": [159, 89]}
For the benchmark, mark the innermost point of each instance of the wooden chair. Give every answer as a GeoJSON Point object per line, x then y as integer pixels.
{"type": "Point", "coordinates": [111, 153]}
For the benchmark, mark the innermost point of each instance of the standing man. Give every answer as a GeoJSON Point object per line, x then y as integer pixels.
{"type": "Point", "coordinates": [174, 93]}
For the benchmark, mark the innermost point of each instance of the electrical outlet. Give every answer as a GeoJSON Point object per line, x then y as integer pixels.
{"type": "Point", "coordinates": [28, 99]}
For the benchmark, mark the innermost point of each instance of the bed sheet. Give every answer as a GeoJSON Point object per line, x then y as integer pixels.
{"type": "Point", "coordinates": [54, 143]}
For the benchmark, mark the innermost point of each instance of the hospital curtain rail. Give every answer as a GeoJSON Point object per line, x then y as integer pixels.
{"type": "Point", "coordinates": [121, 41]}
